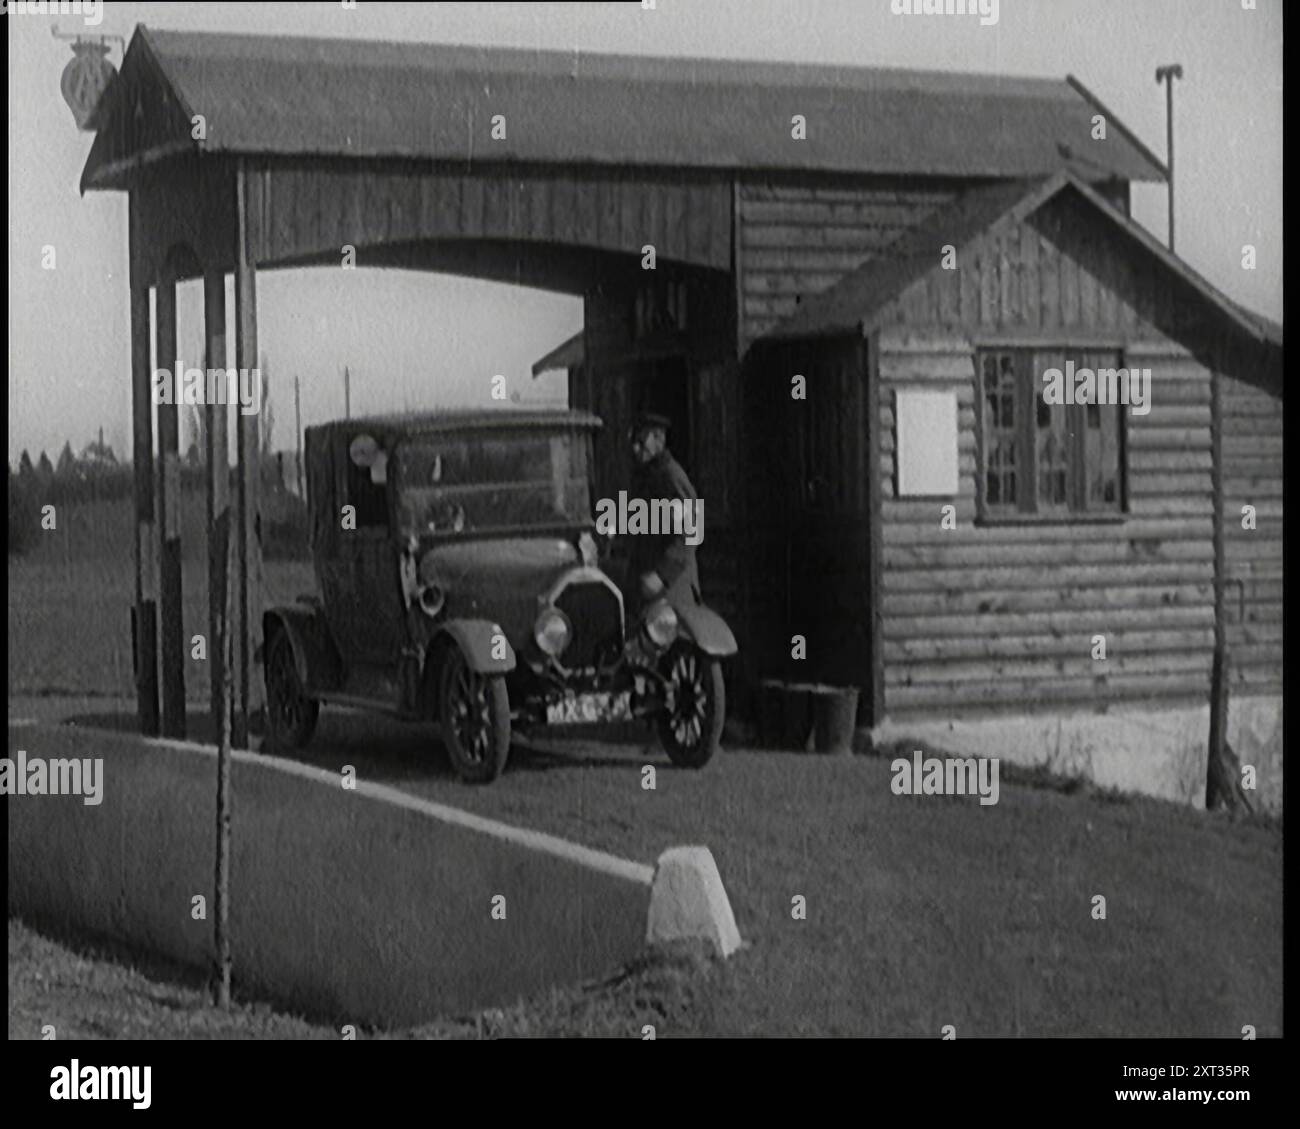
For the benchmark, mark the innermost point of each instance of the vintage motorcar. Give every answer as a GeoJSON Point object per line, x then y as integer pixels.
{"type": "Point", "coordinates": [459, 583]}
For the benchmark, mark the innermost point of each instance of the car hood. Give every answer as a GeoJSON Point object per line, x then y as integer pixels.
{"type": "Point", "coordinates": [501, 578]}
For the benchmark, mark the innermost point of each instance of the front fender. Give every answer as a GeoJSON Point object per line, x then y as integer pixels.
{"type": "Point", "coordinates": [314, 653]}
{"type": "Point", "coordinates": [477, 639]}
{"type": "Point", "coordinates": [706, 629]}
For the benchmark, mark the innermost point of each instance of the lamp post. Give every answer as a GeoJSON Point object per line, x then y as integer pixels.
{"type": "Point", "coordinates": [1167, 75]}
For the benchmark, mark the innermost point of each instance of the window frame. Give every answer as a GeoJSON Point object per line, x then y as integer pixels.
{"type": "Point", "coordinates": [1029, 510]}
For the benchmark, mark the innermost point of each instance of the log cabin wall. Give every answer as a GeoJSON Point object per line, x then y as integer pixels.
{"type": "Point", "coordinates": [797, 237]}
{"type": "Point", "coordinates": [986, 617]}
{"type": "Point", "coordinates": [1252, 475]}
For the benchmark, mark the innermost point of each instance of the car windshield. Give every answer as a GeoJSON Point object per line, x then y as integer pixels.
{"type": "Point", "coordinates": [461, 483]}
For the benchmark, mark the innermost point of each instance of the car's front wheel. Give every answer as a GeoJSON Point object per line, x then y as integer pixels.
{"type": "Point", "coordinates": [474, 710]}
{"type": "Point", "coordinates": [290, 714]}
{"type": "Point", "coordinates": [690, 726]}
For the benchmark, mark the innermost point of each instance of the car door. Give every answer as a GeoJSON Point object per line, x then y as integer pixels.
{"type": "Point", "coordinates": [368, 615]}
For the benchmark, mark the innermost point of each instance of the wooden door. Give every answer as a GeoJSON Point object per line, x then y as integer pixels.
{"type": "Point", "coordinates": [826, 537]}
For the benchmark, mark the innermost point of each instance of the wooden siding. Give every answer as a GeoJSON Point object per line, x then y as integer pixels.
{"type": "Point", "coordinates": [990, 616]}
{"type": "Point", "coordinates": [796, 240]}
{"type": "Point", "coordinates": [1004, 615]}
{"type": "Point", "coordinates": [310, 209]}
{"type": "Point", "coordinates": [1252, 475]}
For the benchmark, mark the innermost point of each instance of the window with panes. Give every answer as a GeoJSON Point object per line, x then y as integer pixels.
{"type": "Point", "coordinates": [1046, 460]}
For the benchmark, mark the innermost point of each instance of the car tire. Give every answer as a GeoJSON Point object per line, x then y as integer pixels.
{"type": "Point", "coordinates": [474, 712]}
{"type": "Point", "coordinates": [691, 731]}
{"type": "Point", "coordinates": [290, 714]}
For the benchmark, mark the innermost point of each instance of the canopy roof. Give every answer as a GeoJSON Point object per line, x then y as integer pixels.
{"type": "Point", "coordinates": [283, 96]}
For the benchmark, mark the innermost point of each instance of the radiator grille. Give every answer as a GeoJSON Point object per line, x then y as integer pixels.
{"type": "Point", "coordinates": [593, 612]}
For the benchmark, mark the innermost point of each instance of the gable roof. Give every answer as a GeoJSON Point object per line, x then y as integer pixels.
{"type": "Point", "coordinates": [856, 303]}
{"type": "Point", "coordinates": [363, 98]}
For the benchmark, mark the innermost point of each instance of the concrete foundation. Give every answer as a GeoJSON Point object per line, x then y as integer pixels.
{"type": "Point", "coordinates": [1153, 752]}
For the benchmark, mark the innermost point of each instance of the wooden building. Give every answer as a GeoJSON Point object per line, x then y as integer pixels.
{"type": "Point", "coordinates": [1064, 523]}
{"type": "Point", "coordinates": [729, 225]}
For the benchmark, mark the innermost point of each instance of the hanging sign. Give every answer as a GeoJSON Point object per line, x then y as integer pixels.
{"type": "Point", "coordinates": [85, 79]}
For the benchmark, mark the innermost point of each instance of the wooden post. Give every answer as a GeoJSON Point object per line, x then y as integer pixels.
{"type": "Point", "coordinates": [1217, 753]}
{"type": "Point", "coordinates": [169, 524]}
{"type": "Point", "coordinates": [145, 620]}
{"type": "Point", "coordinates": [297, 431]}
{"type": "Point", "coordinates": [219, 548]}
{"type": "Point", "coordinates": [246, 618]}
{"type": "Point", "coordinates": [218, 494]}
{"type": "Point", "coordinates": [875, 713]}
{"type": "Point", "coordinates": [221, 897]}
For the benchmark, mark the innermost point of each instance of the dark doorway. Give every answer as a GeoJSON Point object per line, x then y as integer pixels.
{"type": "Point", "coordinates": [808, 460]}
{"type": "Point", "coordinates": [662, 384]}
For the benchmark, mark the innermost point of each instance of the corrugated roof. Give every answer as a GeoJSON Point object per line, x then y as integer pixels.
{"type": "Point", "coordinates": [363, 98]}
{"type": "Point", "coordinates": [853, 304]}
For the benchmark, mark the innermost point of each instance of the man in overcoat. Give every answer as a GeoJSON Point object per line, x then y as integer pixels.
{"type": "Point", "coordinates": [663, 563]}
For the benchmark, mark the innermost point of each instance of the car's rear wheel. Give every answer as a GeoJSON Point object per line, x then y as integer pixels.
{"type": "Point", "coordinates": [290, 714]}
{"type": "Point", "coordinates": [690, 726]}
{"type": "Point", "coordinates": [474, 709]}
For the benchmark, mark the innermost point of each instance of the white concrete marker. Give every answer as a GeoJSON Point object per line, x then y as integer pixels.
{"type": "Point", "coordinates": [687, 900]}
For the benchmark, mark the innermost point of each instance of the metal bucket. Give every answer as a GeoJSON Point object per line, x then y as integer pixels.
{"type": "Point", "coordinates": [835, 719]}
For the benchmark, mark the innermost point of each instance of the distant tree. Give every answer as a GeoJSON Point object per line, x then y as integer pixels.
{"type": "Point", "coordinates": [22, 510]}
{"type": "Point", "coordinates": [67, 465]}
{"type": "Point", "coordinates": [25, 468]}
{"type": "Point", "coordinates": [44, 470]}
{"type": "Point", "coordinates": [98, 453]}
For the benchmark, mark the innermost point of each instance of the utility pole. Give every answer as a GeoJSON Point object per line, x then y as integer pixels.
{"type": "Point", "coordinates": [297, 428]}
{"type": "Point", "coordinates": [347, 392]}
{"type": "Point", "coordinates": [1167, 76]}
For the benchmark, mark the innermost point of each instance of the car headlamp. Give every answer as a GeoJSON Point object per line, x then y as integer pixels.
{"type": "Point", "coordinates": [432, 599]}
{"type": "Point", "coordinates": [551, 632]}
{"type": "Point", "coordinates": [661, 623]}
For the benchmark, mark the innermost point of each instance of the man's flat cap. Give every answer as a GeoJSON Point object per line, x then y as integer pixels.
{"type": "Point", "coordinates": [647, 420]}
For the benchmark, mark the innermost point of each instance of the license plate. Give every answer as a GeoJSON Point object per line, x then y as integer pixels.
{"type": "Point", "coordinates": [580, 708]}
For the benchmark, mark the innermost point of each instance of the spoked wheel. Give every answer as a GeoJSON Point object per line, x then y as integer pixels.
{"type": "Point", "coordinates": [290, 714]}
{"type": "Point", "coordinates": [690, 727]}
{"type": "Point", "coordinates": [475, 712]}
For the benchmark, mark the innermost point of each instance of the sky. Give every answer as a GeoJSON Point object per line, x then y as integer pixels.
{"type": "Point", "coordinates": [422, 340]}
